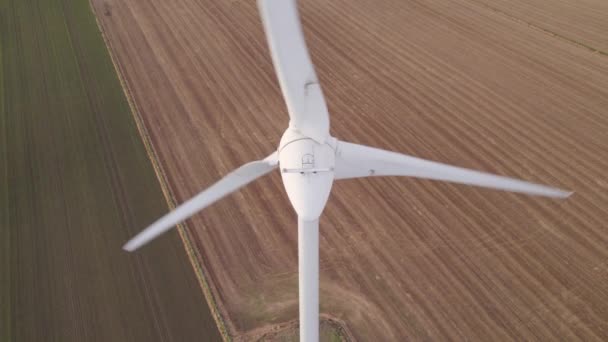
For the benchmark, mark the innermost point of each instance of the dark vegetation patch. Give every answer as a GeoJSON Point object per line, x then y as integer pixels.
{"type": "Point", "coordinates": [75, 184]}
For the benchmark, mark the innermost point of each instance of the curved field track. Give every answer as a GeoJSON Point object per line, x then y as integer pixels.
{"type": "Point", "coordinates": [582, 22]}
{"type": "Point", "coordinates": [400, 258]}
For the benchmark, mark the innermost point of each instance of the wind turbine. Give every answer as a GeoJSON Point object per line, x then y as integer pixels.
{"type": "Point", "coordinates": [310, 159]}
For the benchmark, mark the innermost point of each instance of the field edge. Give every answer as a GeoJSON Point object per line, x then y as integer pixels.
{"type": "Point", "coordinates": [160, 175]}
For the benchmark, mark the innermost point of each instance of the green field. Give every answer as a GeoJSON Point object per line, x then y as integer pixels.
{"type": "Point", "coordinates": [75, 184]}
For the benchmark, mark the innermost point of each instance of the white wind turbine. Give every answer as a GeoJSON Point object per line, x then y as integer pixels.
{"type": "Point", "coordinates": [310, 160]}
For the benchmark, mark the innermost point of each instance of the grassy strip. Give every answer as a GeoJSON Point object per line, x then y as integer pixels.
{"type": "Point", "coordinates": [190, 250]}
{"type": "Point", "coordinates": [198, 269]}
{"type": "Point", "coordinates": [539, 28]}
{"type": "Point", "coordinates": [75, 183]}
{"type": "Point", "coordinates": [5, 246]}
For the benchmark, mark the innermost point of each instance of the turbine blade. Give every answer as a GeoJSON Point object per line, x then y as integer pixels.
{"type": "Point", "coordinates": [230, 183]}
{"type": "Point", "coordinates": [354, 161]}
{"type": "Point", "coordinates": [296, 74]}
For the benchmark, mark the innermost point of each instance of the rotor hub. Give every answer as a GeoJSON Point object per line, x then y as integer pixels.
{"type": "Point", "coordinates": [307, 170]}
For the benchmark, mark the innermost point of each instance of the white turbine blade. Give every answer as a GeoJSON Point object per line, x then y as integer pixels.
{"type": "Point", "coordinates": [354, 161]}
{"type": "Point", "coordinates": [230, 183]}
{"type": "Point", "coordinates": [296, 74]}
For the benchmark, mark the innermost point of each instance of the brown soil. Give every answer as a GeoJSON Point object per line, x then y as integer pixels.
{"type": "Point", "coordinates": [582, 22]}
{"type": "Point", "coordinates": [400, 258]}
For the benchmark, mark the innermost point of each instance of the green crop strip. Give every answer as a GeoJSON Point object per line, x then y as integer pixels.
{"type": "Point", "coordinates": [75, 183]}
{"type": "Point", "coordinates": [5, 247]}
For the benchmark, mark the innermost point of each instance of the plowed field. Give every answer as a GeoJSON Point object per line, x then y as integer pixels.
{"type": "Point", "coordinates": [401, 259]}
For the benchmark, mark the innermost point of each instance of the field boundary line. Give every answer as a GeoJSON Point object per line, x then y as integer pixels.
{"type": "Point", "coordinates": [162, 179]}
{"type": "Point", "coordinates": [539, 28]}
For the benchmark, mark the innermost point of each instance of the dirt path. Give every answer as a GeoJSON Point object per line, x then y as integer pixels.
{"type": "Point", "coordinates": [580, 22]}
{"type": "Point", "coordinates": [400, 258]}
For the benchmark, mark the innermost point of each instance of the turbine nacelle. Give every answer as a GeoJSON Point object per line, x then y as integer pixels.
{"type": "Point", "coordinates": [307, 170]}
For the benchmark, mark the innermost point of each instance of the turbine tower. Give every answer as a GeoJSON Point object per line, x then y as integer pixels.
{"type": "Point", "coordinates": [310, 159]}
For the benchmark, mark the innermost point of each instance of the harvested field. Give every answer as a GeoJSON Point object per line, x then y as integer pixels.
{"type": "Point", "coordinates": [75, 184]}
{"type": "Point", "coordinates": [400, 258]}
